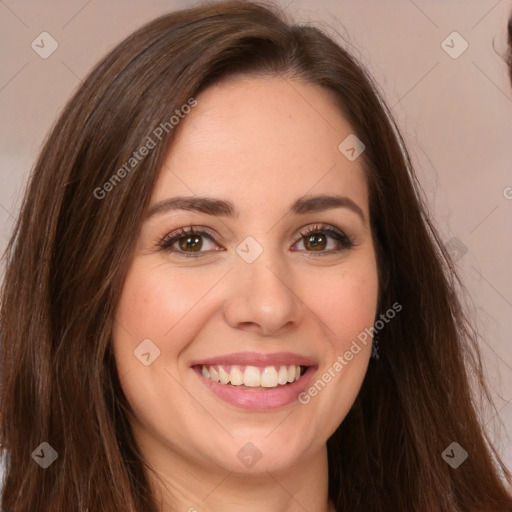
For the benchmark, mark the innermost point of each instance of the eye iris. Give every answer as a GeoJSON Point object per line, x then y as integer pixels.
{"type": "Point", "coordinates": [186, 245]}
{"type": "Point", "coordinates": [310, 240]}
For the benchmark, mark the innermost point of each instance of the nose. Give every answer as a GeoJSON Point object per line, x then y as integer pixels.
{"type": "Point", "coordinates": [261, 296]}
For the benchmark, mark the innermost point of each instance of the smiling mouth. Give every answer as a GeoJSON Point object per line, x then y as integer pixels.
{"type": "Point", "coordinates": [253, 377]}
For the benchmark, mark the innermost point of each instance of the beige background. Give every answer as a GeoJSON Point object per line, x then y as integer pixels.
{"type": "Point", "coordinates": [455, 114]}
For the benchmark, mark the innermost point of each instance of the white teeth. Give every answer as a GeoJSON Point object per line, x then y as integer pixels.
{"type": "Point", "coordinates": [236, 376]}
{"type": "Point", "coordinates": [282, 376]}
{"type": "Point", "coordinates": [224, 376]}
{"type": "Point", "coordinates": [252, 376]}
{"type": "Point", "coordinates": [214, 374]}
{"type": "Point", "coordinates": [269, 377]}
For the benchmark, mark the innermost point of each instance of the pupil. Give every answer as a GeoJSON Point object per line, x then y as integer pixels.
{"type": "Point", "coordinates": [315, 245]}
{"type": "Point", "coordinates": [190, 245]}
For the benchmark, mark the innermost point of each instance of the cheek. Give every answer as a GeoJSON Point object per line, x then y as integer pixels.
{"type": "Point", "coordinates": [164, 305]}
{"type": "Point", "coordinates": [150, 306]}
{"type": "Point", "coordinates": [155, 299]}
{"type": "Point", "coordinates": [153, 306]}
{"type": "Point", "coordinates": [346, 301]}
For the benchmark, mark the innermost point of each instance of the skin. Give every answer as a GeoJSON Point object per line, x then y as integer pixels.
{"type": "Point", "coordinates": [261, 143]}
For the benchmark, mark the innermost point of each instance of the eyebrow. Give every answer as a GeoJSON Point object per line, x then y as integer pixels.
{"type": "Point", "coordinates": [225, 208]}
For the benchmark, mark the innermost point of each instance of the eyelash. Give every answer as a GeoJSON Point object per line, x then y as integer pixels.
{"type": "Point", "coordinates": [173, 237]}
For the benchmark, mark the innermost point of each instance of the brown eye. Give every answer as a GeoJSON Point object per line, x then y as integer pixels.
{"type": "Point", "coordinates": [316, 240]}
{"type": "Point", "coordinates": [189, 242]}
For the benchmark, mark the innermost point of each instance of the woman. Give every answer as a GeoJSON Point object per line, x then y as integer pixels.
{"type": "Point", "coordinates": [221, 225]}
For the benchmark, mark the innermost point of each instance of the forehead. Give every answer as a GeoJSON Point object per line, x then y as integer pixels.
{"type": "Point", "coordinates": [262, 142]}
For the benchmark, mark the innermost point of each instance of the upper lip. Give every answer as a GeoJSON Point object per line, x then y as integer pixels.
{"type": "Point", "coordinates": [258, 359]}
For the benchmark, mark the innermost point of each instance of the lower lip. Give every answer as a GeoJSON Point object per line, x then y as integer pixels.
{"type": "Point", "coordinates": [259, 400]}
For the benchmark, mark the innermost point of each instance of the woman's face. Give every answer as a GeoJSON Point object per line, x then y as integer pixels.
{"type": "Point", "coordinates": [250, 298]}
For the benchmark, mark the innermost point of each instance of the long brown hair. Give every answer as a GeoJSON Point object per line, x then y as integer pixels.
{"type": "Point", "coordinates": [72, 245]}
{"type": "Point", "coordinates": [509, 54]}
